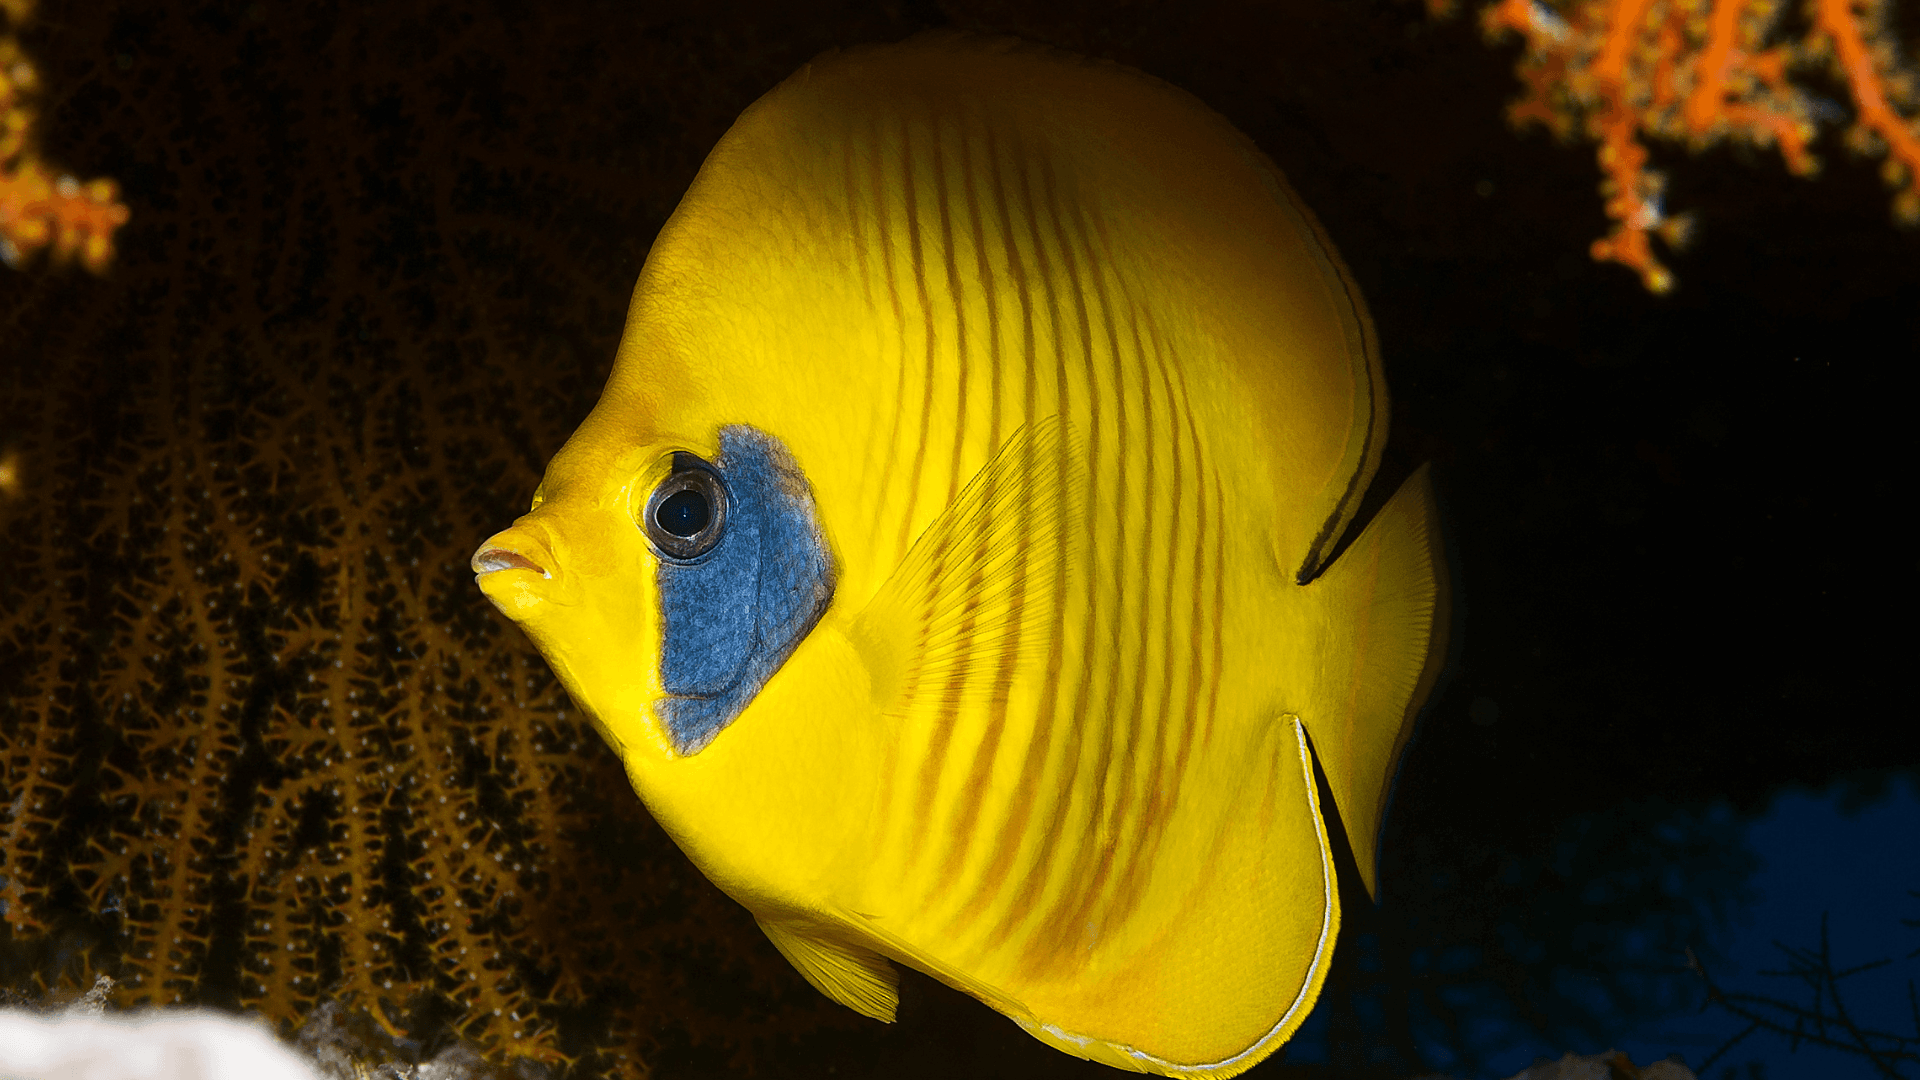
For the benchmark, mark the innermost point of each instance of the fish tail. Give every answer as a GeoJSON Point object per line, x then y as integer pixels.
{"type": "Point", "coordinates": [1384, 603]}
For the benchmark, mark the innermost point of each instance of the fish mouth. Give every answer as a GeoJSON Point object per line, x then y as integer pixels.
{"type": "Point", "coordinates": [518, 547]}
{"type": "Point", "coordinates": [490, 560]}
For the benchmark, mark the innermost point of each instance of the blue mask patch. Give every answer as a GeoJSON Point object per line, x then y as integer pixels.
{"type": "Point", "coordinates": [732, 616]}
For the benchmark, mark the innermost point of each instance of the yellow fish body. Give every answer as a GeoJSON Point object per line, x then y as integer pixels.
{"type": "Point", "coordinates": [951, 556]}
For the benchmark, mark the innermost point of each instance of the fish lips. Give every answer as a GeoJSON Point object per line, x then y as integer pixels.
{"type": "Point", "coordinates": [493, 557]}
{"type": "Point", "coordinates": [512, 569]}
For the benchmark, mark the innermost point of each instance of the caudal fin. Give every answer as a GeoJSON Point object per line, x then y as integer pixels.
{"type": "Point", "coordinates": [1383, 601]}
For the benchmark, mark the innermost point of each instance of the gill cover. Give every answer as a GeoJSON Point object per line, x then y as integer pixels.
{"type": "Point", "coordinates": [731, 615]}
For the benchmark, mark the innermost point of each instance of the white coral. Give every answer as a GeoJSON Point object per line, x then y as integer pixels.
{"type": "Point", "coordinates": [174, 1044]}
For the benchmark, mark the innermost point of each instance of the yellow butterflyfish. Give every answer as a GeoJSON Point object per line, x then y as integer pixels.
{"type": "Point", "coordinates": [955, 560]}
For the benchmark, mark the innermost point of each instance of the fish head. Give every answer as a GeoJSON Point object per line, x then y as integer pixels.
{"type": "Point", "coordinates": [578, 574]}
{"type": "Point", "coordinates": [668, 576]}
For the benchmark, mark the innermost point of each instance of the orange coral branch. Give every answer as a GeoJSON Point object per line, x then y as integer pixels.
{"type": "Point", "coordinates": [1697, 71]}
{"type": "Point", "coordinates": [1624, 20]}
{"type": "Point", "coordinates": [1710, 80]}
{"type": "Point", "coordinates": [1631, 202]}
{"type": "Point", "coordinates": [1632, 192]}
{"type": "Point", "coordinates": [1841, 21]}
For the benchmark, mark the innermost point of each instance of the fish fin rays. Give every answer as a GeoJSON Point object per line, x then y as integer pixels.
{"type": "Point", "coordinates": [1384, 600]}
{"type": "Point", "coordinates": [981, 583]}
{"type": "Point", "coordinates": [858, 978]}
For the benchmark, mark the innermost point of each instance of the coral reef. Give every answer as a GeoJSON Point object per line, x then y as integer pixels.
{"type": "Point", "coordinates": [259, 726]}
{"type": "Point", "coordinates": [262, 743]}
{"type": "Point", "coordinates": [40, 206]}
{"type": "Point", "coordinates": [379, 265]}
{"type": "Point", "coordinates": [181, 1044]}
{"type": "Point", "coordinates": [1698, 72]}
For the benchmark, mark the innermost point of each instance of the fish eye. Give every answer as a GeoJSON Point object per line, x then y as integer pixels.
{"type": "Point", "coordinates": [687, 512]}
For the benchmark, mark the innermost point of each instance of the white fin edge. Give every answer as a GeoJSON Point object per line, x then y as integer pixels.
{"type": "Point", "coordinates": [1122, 1056]}
{"type": "Point", "coordinates": [860, 979]}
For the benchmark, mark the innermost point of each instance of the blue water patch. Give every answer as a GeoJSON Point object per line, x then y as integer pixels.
{"type": "Point", "coordinates": [1855, 865]}
{"type": "Point", "coordinates": [1481, 960]}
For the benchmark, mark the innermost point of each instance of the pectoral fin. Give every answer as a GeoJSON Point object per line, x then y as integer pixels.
{"type": "Point", "coordinates": [982, 581]}
{"type": "Point", "coordinates": [860, 979]}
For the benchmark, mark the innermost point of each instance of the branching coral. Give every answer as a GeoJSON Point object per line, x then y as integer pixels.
{"type": "Point", "coordinates": [262, 743]}
{"type": "Point", "coordinates": [1825, 1020]}
{"type": "Point", "coordinates": [40, 206]}
{"type": "Point", "coordinates": [1697, 72]}
{"type": "Point", "coordinates": [258, 724]}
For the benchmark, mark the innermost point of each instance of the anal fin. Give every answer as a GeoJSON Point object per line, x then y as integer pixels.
{"type": "Point", "coordinates": [860, 979]}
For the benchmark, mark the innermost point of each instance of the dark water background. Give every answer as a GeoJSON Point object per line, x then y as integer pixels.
{"type": "Point", "coordinates": [1684, 602]}
{"type": "Point", "coordinates": [1820, 858]}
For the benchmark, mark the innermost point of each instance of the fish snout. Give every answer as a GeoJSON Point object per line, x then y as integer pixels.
{"type": "Point", "coordinates": [489, 559]}
{"type": "Point", "coordinates": [513, 549]}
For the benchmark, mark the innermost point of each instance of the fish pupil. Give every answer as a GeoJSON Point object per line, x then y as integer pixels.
{"type": "Point", "coordinates": [683, 513]}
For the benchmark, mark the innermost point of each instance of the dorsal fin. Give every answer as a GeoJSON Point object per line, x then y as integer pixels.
{"type": "Point", "coordinates": [860, 979]}
{"type": "Point", "coordinates": [973, 593]}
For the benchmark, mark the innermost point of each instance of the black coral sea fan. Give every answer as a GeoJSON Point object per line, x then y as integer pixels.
{"type": "Point", "coordinates": [248, 695]}
{"type": "Point", "coordinates": [262, 744]}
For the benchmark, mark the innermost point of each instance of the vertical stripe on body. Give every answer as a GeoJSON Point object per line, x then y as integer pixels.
{"type": "Point", "coordinates": [867, 147]}
{"type": "Point", "coordinates": [1042, 794]}
{"type": "Point", "coordinates": [1019, 809]}
{"type": "Point", "coordinates": [935, 757]}
{"type": "Point", "coordinates": [911, 211]}
{"type": "Point", "coordinates": [881, 459]}
{"type": "Point", "coordinates": [1001, 666]}
{"type": "Point", "coordinates": [1029, 833]}
{"type": "Point", "coordinates": [1077, 915]}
